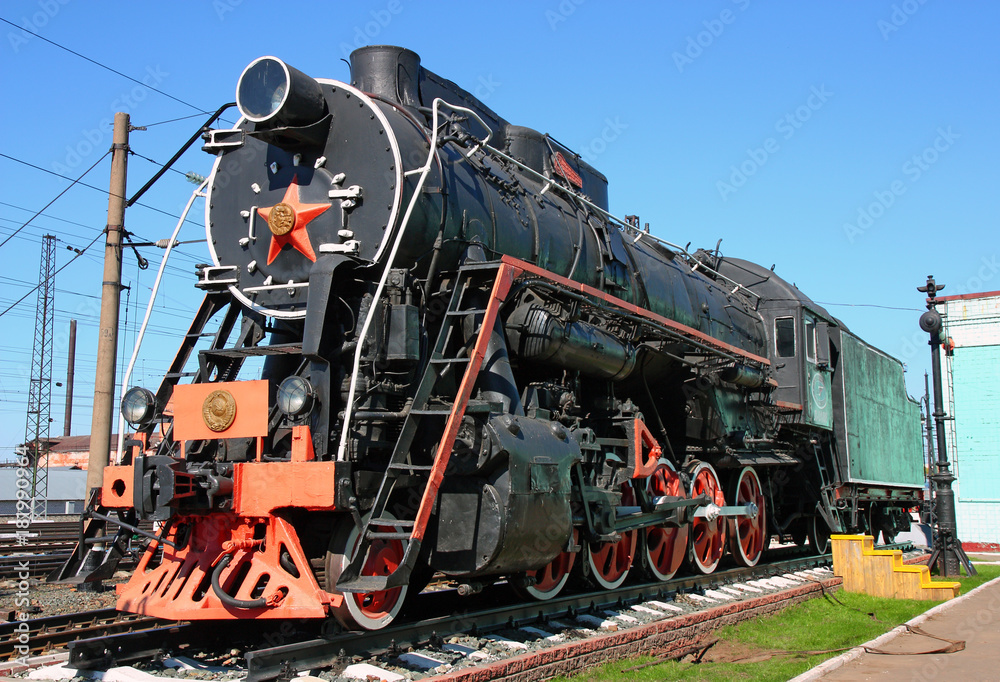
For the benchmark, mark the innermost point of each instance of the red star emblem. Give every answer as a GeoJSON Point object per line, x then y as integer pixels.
{"type": "Point", "coordinates": [288, 219]}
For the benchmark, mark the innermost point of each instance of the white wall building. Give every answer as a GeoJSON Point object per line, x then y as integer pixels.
{"type": "Point", "coordinates": [971, 378]}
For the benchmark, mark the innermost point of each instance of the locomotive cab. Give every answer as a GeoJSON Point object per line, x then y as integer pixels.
{"type": "Point", "coordinates": [844, 406]}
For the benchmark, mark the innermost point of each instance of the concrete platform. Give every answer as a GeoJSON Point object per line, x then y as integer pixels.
{"type": "Point", "coordinates": [973, 618]}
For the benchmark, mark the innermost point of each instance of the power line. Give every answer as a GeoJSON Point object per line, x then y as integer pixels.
{"type": "Point", "coordinates": [103, 66]}
{"type": "Point", "coordinates": [35, 288]}
{"type": "Point", "coordinates": [97, 189]}
{"type": "Point", "coordinates": [173, 120]}
{"type": "Point", "coordinates": [50, 216]}
{"type": "Point", "coordinates": [39, 212]}
{"type": "Point", "coordinates": [870, 305]}
{"type": "Point", "coordinates": [157, 163]}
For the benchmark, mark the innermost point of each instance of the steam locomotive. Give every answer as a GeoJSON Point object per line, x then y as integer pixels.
{"type": "Point", "coordinates": [461, 363]}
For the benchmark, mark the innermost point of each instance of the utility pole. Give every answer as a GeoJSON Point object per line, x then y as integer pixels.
{"type": "Point", "coordinates": [107, 342]}
{"type": "Point", "coordinates": [70, 376]}
{"type": "Point", "coordinates": [948, 552]}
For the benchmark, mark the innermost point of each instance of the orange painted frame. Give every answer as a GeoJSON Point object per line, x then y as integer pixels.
{"type": "Point", "coordinates": [117, 477]}
{"type": "Point", "coordinates": [178, 587]}
{"type": "Point", "coordinates": [646, 464]}
{"type": "Point", "coordinates": [250, 420]}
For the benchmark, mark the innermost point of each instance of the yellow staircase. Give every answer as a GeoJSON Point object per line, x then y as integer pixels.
{"type": "Point", "coordinates": [882, 573]}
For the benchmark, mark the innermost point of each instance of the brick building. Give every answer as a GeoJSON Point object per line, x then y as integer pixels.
{"type": "Point", "coordinates": [66, 462]}
{"type": "Point", "coordinates": [74, 451]}
{"type": "Point", "coordinates": [972, 397]}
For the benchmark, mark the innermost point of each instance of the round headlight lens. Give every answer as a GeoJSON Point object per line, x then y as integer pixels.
{"type": "Point", "coordinates": [138, 405]}
{"type": "Point", "coordinates": [295, 396]}
{"type": "Point", "coordinates": [262, 89]}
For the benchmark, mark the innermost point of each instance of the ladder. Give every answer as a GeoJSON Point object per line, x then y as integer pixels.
{"type": "Point", "coordinates": [826, 505]}
{"type": "Point", "coordinates": [406, 463]}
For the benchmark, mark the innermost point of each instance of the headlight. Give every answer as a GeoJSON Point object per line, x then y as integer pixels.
{"type": "Point", "coordinates": [138, 405]}
{"type": "Point", "coordinates": [295, 396]}
{"type": "Point", "coordinates": [272, 92]}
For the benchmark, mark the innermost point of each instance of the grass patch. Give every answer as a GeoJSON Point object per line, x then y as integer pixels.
{"type": "Point", "coordinates": [754, 650]}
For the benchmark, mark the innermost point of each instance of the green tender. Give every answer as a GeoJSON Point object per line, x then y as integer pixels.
{"type": "Point", "coordinates": [883, 423]}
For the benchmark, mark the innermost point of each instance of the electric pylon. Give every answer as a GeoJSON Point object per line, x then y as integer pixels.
{"type": "Point", "coordinates": [36, 433]}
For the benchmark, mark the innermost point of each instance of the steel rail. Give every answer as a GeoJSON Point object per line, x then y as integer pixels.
{"type": "Point", "coordinates": [268, 664]}
{"type": "Point", "coordinates": [330, 649]}
{"type": "Point", "coordinates": [45, 634]}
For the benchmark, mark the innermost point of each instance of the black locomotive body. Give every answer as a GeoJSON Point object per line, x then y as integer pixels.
{"type": "Point", "coordinates": [469, 367]}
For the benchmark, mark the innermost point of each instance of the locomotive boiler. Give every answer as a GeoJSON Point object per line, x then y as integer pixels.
{"type": "Point", "coordinates": [429, 348]}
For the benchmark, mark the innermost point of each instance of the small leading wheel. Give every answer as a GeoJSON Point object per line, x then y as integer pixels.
{"type": "Point", "coordinates": [369, 610]}
{"type": "Point", "coordinates": [748, 534]}
{"type": "Point", "coordinates": [608, 563]}
{"type": "Point", "coordinates": [549, 580]}
{"type": "Point", "coordinates": [708, 538]}
{"type": "Point", "coordinates": [819, 535]}
{"type": "Point", "coordinates": [664, 546]}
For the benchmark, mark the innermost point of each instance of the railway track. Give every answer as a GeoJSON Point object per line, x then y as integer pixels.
{"type": "Point", "coordinates": [45, 545]}
{"type": "Point", "coordinates": [106, 638]}
{"type": "Point", "coordinates": [307, 646]}
{"type": "Point", "coordinates": [52, 632]}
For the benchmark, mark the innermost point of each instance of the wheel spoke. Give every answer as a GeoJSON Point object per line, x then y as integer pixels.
{"type": "Point", "coordinates": [749, 534]}
{"type": "Point", "coordinates": [707, 538]}
{"type": "Point", "coordinates": [370, 610]}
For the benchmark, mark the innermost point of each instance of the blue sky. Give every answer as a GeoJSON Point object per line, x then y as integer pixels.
{"type": "Point", "coordinates": [853, 145]}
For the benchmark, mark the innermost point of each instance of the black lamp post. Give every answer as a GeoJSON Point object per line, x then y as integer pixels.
{"type": "Point", "coordinates": [948, 552]}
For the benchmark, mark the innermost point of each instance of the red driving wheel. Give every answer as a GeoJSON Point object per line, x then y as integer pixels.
{"type": "Point", "coordinates": [550, 579]}
{"type": "Point", "coordinates": [369, 610]}
{"type": "Point", "coordinates": [708, 538]}
{"type": "Point", "coordinates": [748, 534]}
{"type": "Point", "coordinates": [664, 546]}
{"type": "Point", "coordinates": [608, 563]}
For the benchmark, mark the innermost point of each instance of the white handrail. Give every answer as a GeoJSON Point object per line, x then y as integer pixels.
{"type": "Point", "coordinates": [198, 192]}
{"type": "Point", "coordinates": [424, 172]}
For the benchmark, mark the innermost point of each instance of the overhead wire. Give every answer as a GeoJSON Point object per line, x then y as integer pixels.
{"type": "Point", "coordinates": [872, 305]}
{"type": "Point", "coordinates": [39, 212]}
{"type": "Point", "coordinates": [78, 180]}
{"type": "Point", "coordinates": [156, 163]}
{"type": "Point", "coordinates": [93, 187]}
{"type": "Point", "coordinates": [63, 267]}
{"type": "Point", "coordinates": [103, 66]}
{"type": "Point", "coordinates": [173, 120]}
{"type": "Point", "coordinates": [50, 216]}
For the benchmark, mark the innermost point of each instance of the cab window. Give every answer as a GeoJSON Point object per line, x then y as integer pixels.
{"type": "Point", "coordinates": [784, 337]}
{"type": "Point", "coordinates": [811, 339]}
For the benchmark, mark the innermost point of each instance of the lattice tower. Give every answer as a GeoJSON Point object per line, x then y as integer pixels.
{"type": "Point", "coordinates": [36, 433]}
